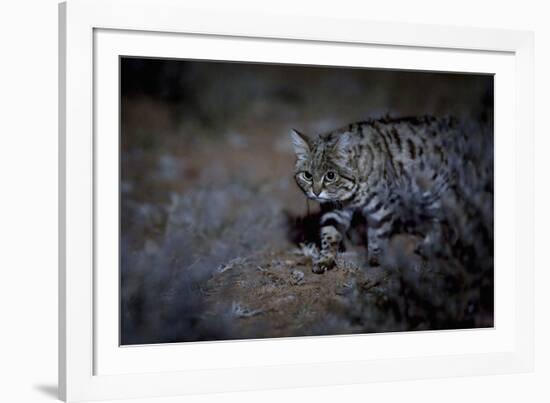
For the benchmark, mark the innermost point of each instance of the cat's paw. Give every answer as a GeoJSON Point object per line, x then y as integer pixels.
{"type": "Point", "coordinates": [374, 257]}
{"type": "Point", "coordinates": [318, 269]}
{"type": "Point", "coordinates": [322, 265]}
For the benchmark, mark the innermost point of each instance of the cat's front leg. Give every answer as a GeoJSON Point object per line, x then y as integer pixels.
{"type": "Point", "coordinates": [334, 224]}
{"type": "Point", "coordinates": [330, 242]}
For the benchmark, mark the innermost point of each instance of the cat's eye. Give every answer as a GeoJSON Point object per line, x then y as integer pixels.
{"type": "Point", "coordinates": [330, 176]}
{"type": "Point", "coordinates": [307, 176]}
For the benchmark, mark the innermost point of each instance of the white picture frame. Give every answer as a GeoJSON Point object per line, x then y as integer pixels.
{"type": "Point", "coordinates": [93, 33]}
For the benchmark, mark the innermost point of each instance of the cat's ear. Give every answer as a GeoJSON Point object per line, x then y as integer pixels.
{"type": "Point", "coordinates": [300, 143]}
{"type": "Point", "coordinates": [342, 144]}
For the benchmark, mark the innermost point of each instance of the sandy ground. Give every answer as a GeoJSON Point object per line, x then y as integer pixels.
{"type": "Point", "coordinates": [276, 294]}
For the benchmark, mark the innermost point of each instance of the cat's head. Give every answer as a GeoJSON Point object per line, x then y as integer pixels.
{"type": "Point", "coordinates": [322, 167]}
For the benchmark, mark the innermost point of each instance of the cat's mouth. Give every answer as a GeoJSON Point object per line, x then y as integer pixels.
{"type": "Point", "coordinates": [321, 197]}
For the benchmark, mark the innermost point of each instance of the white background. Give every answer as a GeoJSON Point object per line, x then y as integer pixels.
{"type": "Point", "coordinates": [28, 201]}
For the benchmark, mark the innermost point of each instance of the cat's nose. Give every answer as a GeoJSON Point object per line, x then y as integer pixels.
{"type": "Point", "coordinates": [317, 188]}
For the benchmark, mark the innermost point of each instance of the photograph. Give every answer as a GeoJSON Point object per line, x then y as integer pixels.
{"type": "Point", "coordinates": [262, 200]}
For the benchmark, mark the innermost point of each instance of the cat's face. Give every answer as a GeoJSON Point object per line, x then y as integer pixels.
{"type": "Point", "coordinates": [322, 168]}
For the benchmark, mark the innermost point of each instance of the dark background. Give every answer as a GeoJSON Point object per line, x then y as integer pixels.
{"type": "Point", "coordinates": [210, 215]}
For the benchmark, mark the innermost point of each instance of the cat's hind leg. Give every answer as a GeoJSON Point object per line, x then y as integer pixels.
{"type": "Point", "coordinates": [380, 222]}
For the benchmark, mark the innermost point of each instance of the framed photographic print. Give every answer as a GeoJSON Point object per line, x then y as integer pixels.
{"type": "Point", "coordinates": [265, 201]}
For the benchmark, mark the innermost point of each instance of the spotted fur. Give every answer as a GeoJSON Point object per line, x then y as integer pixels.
{"type": "Point", "coordinates": [380, 168]}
